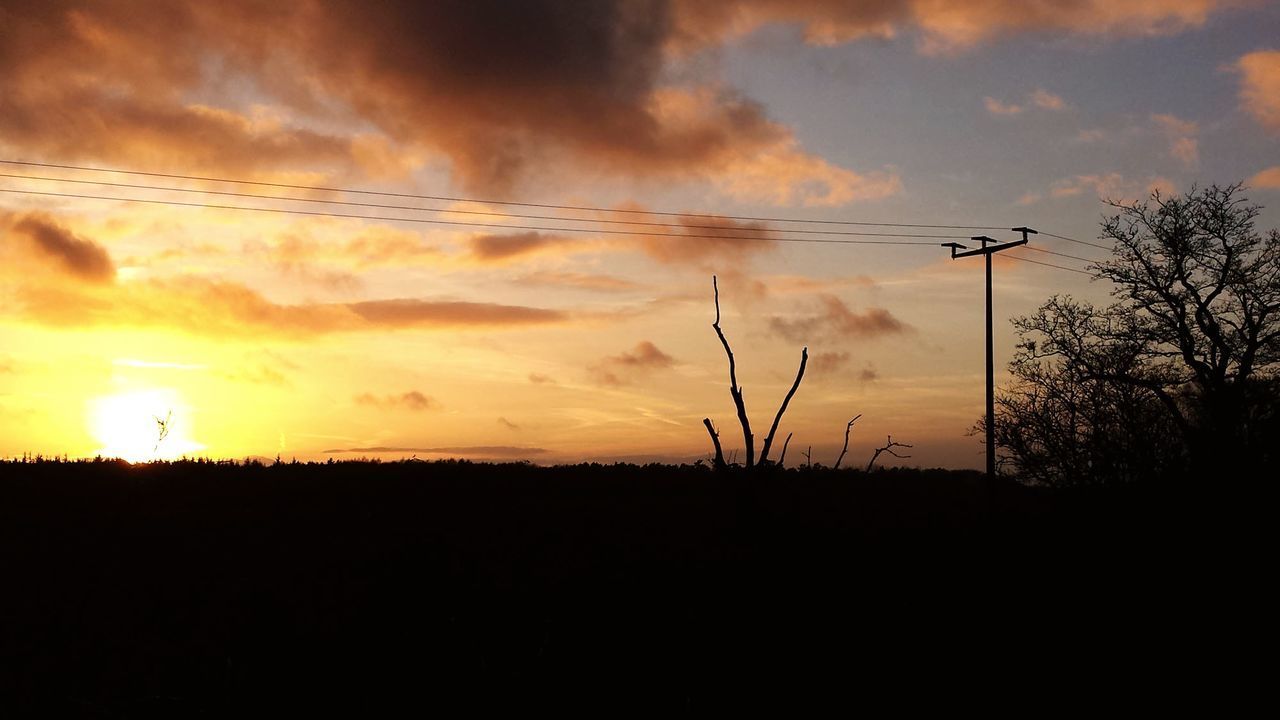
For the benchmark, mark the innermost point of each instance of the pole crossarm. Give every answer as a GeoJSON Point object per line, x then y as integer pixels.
{"type": "Point", "coordinates": [985, 250]}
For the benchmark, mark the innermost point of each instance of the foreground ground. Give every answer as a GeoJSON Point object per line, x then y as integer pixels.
{"type": "Point", "coordinates": [205, 589]}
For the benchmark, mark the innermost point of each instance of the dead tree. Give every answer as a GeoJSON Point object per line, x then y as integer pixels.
{"type": "Point", "coordinates": [847, 428]}
{"type": "Point", "coordinates": [163, 425]}
{"type": "Point", "coordinates": [715, 441]}
{"type": "Point", "coordinates": [888, 447]}
{"type": "Point", "coordinates": [735, 390]}
{"type": "Point", "coordinates": [782, 459]}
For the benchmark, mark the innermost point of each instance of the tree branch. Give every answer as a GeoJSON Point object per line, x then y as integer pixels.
{"type": "Point", "coordinates": [734, 389]}
{"type": "Point", "coordinates": [847, 428]}
{"type": "Point", "coordinates": [768, 440]}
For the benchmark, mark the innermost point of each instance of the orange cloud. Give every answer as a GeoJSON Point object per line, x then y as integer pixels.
{"type": "Point", "coordinates": [837, 322]}
{"type": "Point", "coordinates": [1260, 87]}
{"type": "Point", "coordinates": [52, 242]}
{"type": "Point", "coordinates": [1181, 134]}
{"type": "Point", "coordinates": [224, 309]}
{"type": "Point", "coordinates": [1269, 178]}
{"type": "Point", "coordinates": [995, 107]}
{"type": "Point", "coordinates": [413, 401]}
{"type": "Point", "coordinates": [552, 84]}
{"type": "Point", "coordinates": [700, 238]}
{"type": "Point", "coordinates": [580, 281]}
{"type": "Point", "coordinates": [503, 248]}
{"type": "Point", "coordinates": [626, 367]}
{"type": "Point", "coordinates": [943, 25]}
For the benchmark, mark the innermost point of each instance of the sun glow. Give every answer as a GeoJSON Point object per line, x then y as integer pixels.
{"type": "Point", "coordinates": [142, 425]}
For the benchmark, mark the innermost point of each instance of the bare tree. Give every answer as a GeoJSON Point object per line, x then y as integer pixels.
{"type": "Point", "coordinates": [735, 391]}
{"type": "Point", "coordinates": [1179, 369]}
{"type": "Point", "coordinates": [847, 429]}
{"type": "Point", "coordinates": [163, 425]}
{"type": "Point", "coordinates": [888, 448]}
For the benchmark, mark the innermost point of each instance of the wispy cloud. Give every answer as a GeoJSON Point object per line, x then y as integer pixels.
{"type": "Point", "coordinates": [835, 321]}
{"type": "Point", "coordinates": [412, 400]}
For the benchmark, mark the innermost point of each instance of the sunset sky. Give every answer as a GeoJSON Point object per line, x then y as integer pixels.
{"type": "Point", "coordinates": [313, 336]}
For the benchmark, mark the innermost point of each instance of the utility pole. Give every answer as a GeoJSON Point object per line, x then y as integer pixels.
{"type": "Point", "coordinates": [988, 251]}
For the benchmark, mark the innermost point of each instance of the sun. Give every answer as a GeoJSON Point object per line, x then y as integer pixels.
{"type": "Point", "coordinates": [142, 425]}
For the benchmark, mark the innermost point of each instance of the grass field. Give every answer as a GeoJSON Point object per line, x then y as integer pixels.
{"type": "Point", "coordinates": [190, 589]}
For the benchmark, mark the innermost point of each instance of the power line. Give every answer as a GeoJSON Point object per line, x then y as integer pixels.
{"type": "Point", "coordinates": [641, 233]}
{"type": "Point", "coordinates": [445, 198]}
{"type": "Point", "coordinates": [1080, 242]}
{"type": "Point", "coordinates": [1073, 257]}
{"type": "Point", "coordinates": [287, 198]}
{"type": "Point", "coordinates": [1060, 267]}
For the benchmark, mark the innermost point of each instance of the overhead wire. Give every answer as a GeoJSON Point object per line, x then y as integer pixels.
{"type": "Point", "coordinates": [445, 198]}
{"type": "Point", "coordinates": [462, 223]}
{"type": "Point", "coordinates": [286, 198]}
{"type": "Point", "coordinates": [754, 234]}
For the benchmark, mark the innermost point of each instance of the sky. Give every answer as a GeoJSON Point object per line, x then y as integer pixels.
{"type": "Point", "coordinates": [470, 313]}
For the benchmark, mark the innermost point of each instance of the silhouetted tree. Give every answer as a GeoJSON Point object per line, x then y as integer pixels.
{"type": "Point", "coordinates": [888, 447]}
{"type": "Point", "coordinates": [735, 390]}
{"type": "Point", "coordinates": [1179, 373]}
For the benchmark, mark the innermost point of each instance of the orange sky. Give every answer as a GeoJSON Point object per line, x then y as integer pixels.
{"type": "Point", "coordinates": [257, 333]}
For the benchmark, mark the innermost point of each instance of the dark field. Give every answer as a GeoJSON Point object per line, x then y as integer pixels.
{"type": "Point", "coordinates": [191, 589]}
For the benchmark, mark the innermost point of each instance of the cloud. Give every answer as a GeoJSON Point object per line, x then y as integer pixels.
{"type": "Point", "coordinates": [625, 368]}
{"type": "Point", "coordinates": [1181, 135]}
{"type": "Point", "coordinates": [942, 25]}
{"type": "Point", "coordinates": [1260, 87]}
{"type": "Point", "coordinates": [827, 363]}
{"type": "Point", "coordinates": [503, 248]}
{"type": "Point", "coordinates": [545, 83]}
{"type": "Point", "coordinates": [52, 242]}
{"type": "Point", "coordinates": [224, 309]}
{"type": "Point", "coordinates": [1039, 98]}
{"type": "Point", "coordinates": [1111, 186]}
{"type": "Point", "coordinates": [508, 424]}
{"type": "Point", "coordinates": [836, 321]}
{"type": "Point", "coordinates": [580, 281]}
{"type": "Point", "coordinates": [413, 401]}
{"type": "Point", "coordinates": [408, 312]}
{"type": "Point", "coordinates": [701, 238]}
{"type": "Point", "coordinates": [1046, 100]}
{"type": "Point", "coordinates": [540, 379]}
{"type": "Point", "coordinates": [1269, 178]}
{"type": "Point", "coordinates": [995, 107]}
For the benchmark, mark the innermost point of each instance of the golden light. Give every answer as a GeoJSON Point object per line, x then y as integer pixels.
{"type": "Point", "coordinates": [142, 425]}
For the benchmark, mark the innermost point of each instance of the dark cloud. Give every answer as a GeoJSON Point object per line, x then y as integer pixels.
{"type": "Point", "coordinates": [412, 400]}
{"type": "Point", "coordinates": [499, 248]}
{"type": "Point", "coordinates": [626, 367]}
{"type": "Point", "coordinates": [495, 86]}
{"type": "Point", "coordinates": [225, 309]}
{"type": "Point", "coordinates": [508, 424]}
{"type": "Point", "coordinates": [410, 313]}
{"type": "Point", "coordinates": [704, 238]}
{"type": "Point", "coordinates": [76, 256]}
{"type": "Point", "coordinates": [836, 321]}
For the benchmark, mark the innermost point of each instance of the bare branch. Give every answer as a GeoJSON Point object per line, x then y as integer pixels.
{"type": "Point", "coordinates": [715, 440]}
{"type": "Point", "coordinates": [782, 459]}
{"type": "Point", "coordinates": [847, 428]}
{"type": "Point", "coordinates": [888, 447]}
{"type": "Point", "coordinates": [734, 389]}
{"type": "Point", "coordinates": [768, 440]}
